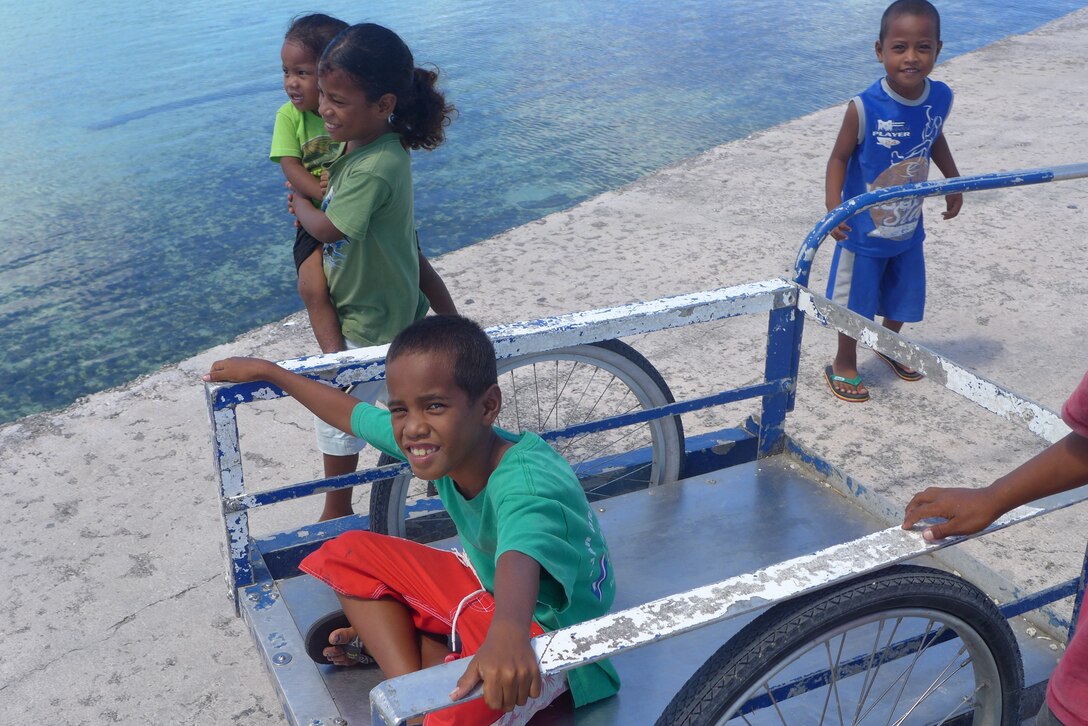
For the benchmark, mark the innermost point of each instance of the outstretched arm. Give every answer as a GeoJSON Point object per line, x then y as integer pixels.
{"type": "Point", "coordinates": [835, 177]}
{"type": "Point", "coordinates": [330, 404]}
{"type": "Point", "coordinates": [1061, 467]}
{"type": "Point", "coordinates": [942, 157]}
{"type": "Point", "coordinates": [506, 662]}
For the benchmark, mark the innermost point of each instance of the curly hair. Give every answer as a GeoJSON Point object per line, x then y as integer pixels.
{"type": "Point", "coordinates": [314, 31]}
{"type": "Point", "coordinates": [378, 62]}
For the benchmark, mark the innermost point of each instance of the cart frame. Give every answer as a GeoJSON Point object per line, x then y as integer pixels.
{"type": "Point", "coordinates": [254, 565]}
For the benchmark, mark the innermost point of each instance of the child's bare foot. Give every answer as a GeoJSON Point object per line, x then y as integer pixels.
{"type": "Point", "coordinates": [331, 639]}
{"type": "Point", "coordinates": [343, 649]}
{"type": "Point", "coordinates": [846, 385]}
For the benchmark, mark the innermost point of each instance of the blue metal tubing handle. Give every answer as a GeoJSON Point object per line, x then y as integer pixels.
{"type": "Point", "coordinates": [941, 187]}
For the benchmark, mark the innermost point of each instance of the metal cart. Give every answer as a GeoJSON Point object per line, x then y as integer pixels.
{"type": "Point", "coordinates": [754, 609]}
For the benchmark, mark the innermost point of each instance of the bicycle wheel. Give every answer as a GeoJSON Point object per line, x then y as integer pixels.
{"type": "Point", "coordinates": [548, 392]}
{"type": "Point", "coordinates": [906, 645]}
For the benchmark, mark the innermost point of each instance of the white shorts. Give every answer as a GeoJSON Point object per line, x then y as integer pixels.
{"type": "Point", "coordinates": [333, 441]}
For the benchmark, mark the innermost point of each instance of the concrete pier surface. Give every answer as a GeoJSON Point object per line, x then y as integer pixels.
{"type": "Point", "coordinates": [114, 607]}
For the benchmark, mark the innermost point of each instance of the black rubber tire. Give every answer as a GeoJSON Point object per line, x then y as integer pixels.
{"type": "Point", "coordinates": [784, 631]}
{"type": "Point", "coordinates": [381, 493]}
{"type": "Point", "coordinates": [386, 515]}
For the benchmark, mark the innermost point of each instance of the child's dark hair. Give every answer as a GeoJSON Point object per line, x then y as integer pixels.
{"type": "Point", "coordinates": [314, 31]}
{"type": "Point", "coordinates": [379, 62]}
{"type": "Point", "coordinates": [909, 7]}
{"type": "Point", "coordinates": [467, 345]}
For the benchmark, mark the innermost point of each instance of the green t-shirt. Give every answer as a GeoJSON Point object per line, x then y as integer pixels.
{"type": "Point", "coordinates": [373, 273]}
{"type": "Point", "coordinates": [533, 504]}
{"type": "Point", "coordinates": [302, 134]}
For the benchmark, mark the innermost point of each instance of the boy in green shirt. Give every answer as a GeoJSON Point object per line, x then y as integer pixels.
{"type": "Point", "coordinates": [535, 558]}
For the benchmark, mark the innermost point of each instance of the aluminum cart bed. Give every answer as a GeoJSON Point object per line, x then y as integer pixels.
{"type": "Point", "coordinates": [736, 531]}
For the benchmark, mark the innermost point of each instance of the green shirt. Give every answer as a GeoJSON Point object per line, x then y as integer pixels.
{"type": "Point", "coordinates": [373, 273]}
{"type": "Point", "coordinates": [302, 134]}
{"type": "Point", "coordinates": [533, 504]}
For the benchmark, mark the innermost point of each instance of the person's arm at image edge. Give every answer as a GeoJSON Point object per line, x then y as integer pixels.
{"type": "Point", "coordinates": [1059, 468]}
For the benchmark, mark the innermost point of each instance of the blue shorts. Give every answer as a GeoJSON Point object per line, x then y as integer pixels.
{"type": "Point", "coordinates": [894, 287]}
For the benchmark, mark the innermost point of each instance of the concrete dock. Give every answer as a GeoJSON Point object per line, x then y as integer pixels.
{"type": "Point", "coordinates": [114, 607]}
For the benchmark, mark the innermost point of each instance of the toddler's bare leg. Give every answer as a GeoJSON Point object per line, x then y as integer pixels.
{"type": "Point", "coordinates": [313, 288]}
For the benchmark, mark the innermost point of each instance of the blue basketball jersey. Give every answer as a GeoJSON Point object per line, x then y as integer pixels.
{"type": "Point", "coordinates": [895, 136]}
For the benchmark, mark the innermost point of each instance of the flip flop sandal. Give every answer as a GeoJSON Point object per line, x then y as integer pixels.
{"type": "Point", "coordinates": [832, 379]}
{"type": "Point", "coordinates": [900, 370]}
{"type": "Point", "coordinates": [317, 639]}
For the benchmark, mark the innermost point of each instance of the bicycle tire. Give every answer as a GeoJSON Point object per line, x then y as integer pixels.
{"type": "Point", "coordinates": [572, 374]}
{"type": "Point", "coordinates": [778, 650]}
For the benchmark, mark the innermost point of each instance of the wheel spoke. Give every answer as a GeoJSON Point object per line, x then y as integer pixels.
{"type": "Point", "coordinates": [775, 704]}
{"type": "Point", "coordinates": [916, 663]}
{"type": "Point", "coordinates": [833, 666]}
{"type": "Point", "coordinates": [927, 639]}
{"type": "Point", "coordinates": [559, 393]}
{"type": "Point", "coordinates": [536, 389]}
{"type": "Point", "coordinates": [517, 410]}
{"type": "Point", "coordinates": [570, 442]}
{"type": "Point", "coordinates": [870, 674]}
{"type": "Point", "coordinates": [937, 683]}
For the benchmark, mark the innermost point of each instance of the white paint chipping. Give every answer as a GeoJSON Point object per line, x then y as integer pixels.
{"type": "Point", "coordinates": [578, 327]}
{"type": "Point", "coordinates": [1005, 402]}
{"type": "Point", "coordinates": [1009, 405]}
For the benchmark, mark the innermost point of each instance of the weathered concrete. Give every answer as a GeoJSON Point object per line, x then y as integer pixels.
{"type": "Point", "coordinates": [114, 608]}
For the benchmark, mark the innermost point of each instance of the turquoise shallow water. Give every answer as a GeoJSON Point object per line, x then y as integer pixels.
{"type": "Point", "coordinates": [143, 222]}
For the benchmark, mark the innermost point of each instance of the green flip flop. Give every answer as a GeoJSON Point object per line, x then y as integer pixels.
{"type": "Point", "coordinates": [832, 379]}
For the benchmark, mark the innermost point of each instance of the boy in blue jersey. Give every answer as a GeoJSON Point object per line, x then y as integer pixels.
{"type": "Point", "coordinates": [888, 137]}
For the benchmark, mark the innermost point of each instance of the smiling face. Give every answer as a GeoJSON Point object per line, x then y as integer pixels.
{"type": "Point", "coordinates": [299, 75]}
{"type": "Point", "coordinates": [909, 51]}
{"type": "Point", "coordinates": [349, 115]}
{"type": "Point", "coordinates": [440, 430]}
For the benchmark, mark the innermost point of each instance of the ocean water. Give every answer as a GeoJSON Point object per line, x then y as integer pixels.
{"type": "Point", "coordinates": [143, 222]}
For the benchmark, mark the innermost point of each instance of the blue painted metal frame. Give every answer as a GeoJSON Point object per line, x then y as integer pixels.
{"type": "Point", "coordinates": [941, 187]}
{"type": "Point", "coordinates": [778, 366]}
{"type": "Point", "coordinates": [802, 266]}
{"type": "Point", "coordinates": [282, 552]}
{"type": "Point", "coordinates": [773, 390]}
